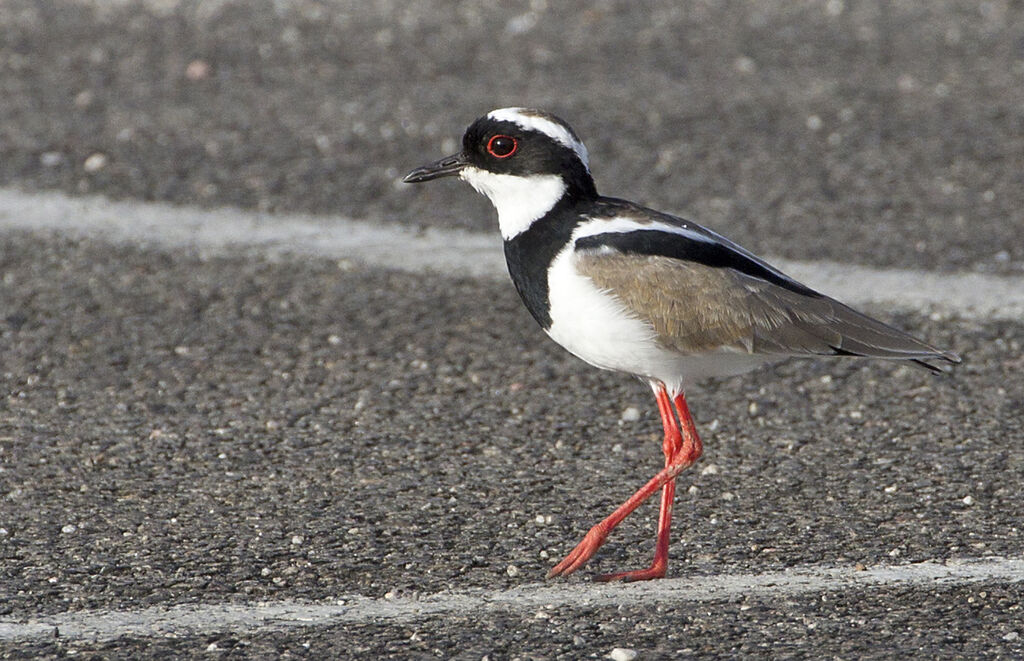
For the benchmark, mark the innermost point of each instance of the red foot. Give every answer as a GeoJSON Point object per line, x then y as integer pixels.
{"type": "Point", "coordinates": [583, 552]}
{"type": "Point", "coordinates": [654, 571]}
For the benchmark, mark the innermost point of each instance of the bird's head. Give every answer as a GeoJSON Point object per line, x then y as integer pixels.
{"type": "Point", "coordinates": [525, 161]}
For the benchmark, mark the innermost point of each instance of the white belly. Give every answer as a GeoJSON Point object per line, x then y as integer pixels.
{"type": "Point", "coordinates": [595, 326]}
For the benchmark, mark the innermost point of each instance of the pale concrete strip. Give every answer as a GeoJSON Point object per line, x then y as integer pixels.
{"type": "Point", "coordinates": [227, 231]}
{"type": "Point", "coordinates": [207, 618]}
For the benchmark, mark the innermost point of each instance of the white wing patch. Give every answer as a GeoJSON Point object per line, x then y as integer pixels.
{"type": "Point", "coordinates": [623, 224]}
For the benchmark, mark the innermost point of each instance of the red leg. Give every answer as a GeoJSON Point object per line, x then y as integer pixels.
{"type": "Point", "coordinates": [682, 448]}
{"type": "Point", "coordinates": [670, 446]}
{"type": "Point", "coordinates": [688, 428]}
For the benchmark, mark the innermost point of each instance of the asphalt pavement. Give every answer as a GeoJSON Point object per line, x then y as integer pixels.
{"type": "Point", "coordinates": [241, 427]}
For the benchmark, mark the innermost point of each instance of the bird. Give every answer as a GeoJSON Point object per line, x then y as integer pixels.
{"type": "Point", "coordinates": [633, 290]}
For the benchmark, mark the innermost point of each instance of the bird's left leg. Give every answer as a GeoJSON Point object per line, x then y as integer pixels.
{"type": "Point", "coordinates": [671, 445]}
{"type": "Point", "coordinates": [683, 457]}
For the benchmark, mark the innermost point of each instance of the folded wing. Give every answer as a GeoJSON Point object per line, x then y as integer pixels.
{"type": "Point", "coordinates": [703, 294]}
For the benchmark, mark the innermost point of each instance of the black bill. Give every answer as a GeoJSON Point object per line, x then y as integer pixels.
{"type": "Point", "coordinates": [448, 166]}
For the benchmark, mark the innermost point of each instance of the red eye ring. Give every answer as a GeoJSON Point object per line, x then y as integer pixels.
{"type": "Point", "coordinates": [499, 146]}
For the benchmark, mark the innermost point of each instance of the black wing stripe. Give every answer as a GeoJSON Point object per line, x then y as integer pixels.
{"type": "Point", "coordinates": [678, 246]}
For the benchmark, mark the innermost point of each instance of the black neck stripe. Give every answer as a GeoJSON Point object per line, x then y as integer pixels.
{"type": "Point", "coordinates": [529, 254]}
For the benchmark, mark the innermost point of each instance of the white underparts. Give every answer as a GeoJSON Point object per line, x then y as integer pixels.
{"type": "Point", "coordinates": [519, 200]}
{"type": "Point", "coordinates": [594, 325]}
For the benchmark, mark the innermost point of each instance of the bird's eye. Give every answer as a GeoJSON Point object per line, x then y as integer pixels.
{"type": "Point", "coordinates": [502, 146]}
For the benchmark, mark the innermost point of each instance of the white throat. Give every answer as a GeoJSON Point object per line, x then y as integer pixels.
{"type": "Point", "coordinates": [519, 200]}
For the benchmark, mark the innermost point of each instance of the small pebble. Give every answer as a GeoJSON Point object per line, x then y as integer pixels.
{"type": "Point", "coordinates": [631, 414]}
{"type": "Point", "coordinates": [968, 500]}
{"type": "Point", "coordinates": [834, 7]}
{"type": "Point", "coordinates": [197, 70]}
{"type": "Point", "coordinates": [744, 64]}
{"type": "Point", "coordinates": [84, 99]}
{"type": "Point", "coordinates": [512, 571]}
{"type": "Point", "coordinates": [1012, 636]}
{"type": "Point", "coordinates": [521, 24]}
{"type": "Point", "coordinates": [95, 162]}
{"type": "Point", "coordinates": [69, 528]}
{"type": "Point", "coordinates": [51, 159]}
{"type": "Point", "coordinates": [622, 654]}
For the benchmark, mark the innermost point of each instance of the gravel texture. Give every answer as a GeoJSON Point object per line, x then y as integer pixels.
{"type": "Point", "coordinates": [180, 429]}
{"type": "Point", "coordinates": [797, 129]}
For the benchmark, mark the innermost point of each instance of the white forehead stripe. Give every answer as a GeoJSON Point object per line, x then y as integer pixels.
{"type": "Point", "coordinates": [532, 121]}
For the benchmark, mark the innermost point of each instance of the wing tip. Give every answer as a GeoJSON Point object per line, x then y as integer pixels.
{"type": "Point", "coordinates": [948, 357]}
{"type": "Point", "coordinates": [927, 360]}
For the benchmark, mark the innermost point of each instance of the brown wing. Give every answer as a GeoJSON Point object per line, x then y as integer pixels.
{"type": "Point", "coordinates": [696, 308]}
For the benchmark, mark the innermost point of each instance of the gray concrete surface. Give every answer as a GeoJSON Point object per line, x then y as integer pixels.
{"type": "Point", "coordinates": [455, 252]}
{"type": "Point", "coordinates": [193, 619]}
{"type": "Point", "coordinates": [185, 430]}
{"type": "Point", "coordinates": [190, 428]}
{"type": "Point", "coordinates": [857, 131]}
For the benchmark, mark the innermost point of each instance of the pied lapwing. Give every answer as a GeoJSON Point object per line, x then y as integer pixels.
{"type": "Point", "coordinates": [634, 290]}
